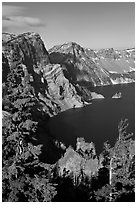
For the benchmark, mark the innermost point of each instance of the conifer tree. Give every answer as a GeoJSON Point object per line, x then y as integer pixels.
{"type": "Point", "coordinates": [25, 178]}
{"type": "Point", "coordinates": [120, 162]}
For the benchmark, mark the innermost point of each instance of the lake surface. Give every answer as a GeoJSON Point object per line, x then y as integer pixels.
{"type": "Point", "coordinates": [98, 121]}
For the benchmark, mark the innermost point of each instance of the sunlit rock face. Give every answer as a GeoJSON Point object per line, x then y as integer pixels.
{"type": "Point", "coordinates": [80, 163]}
{"type": "Point", "coordinates": [97, 96]}
{"type": "Point", "coordinates": [79, 66]}
{"type": "Point", "coordinates": [26, 48]}
{"type": "Point", "coordinates": [59, 90]}
{"type": "Point", "coordinates": [98, 68]}
{"type": "Point", "coordinates": [52, 89]}
{"type": "Point", "coordinates": [60, 75]}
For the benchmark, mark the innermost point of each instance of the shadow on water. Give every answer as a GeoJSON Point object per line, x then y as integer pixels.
{"type": "Point", "coordinates": [97, 122]}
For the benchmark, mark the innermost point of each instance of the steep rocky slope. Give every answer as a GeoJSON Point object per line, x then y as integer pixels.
{"type": "Point", "coordinates": [60, 75]}
{"type": "Point", "coordinates": [52, 90]}
{"type": "Point", "coordinates": [79, 67]}
{"type": "Point", "coordinates": [116, 60]}
{"type": "Point", "coordinates": [85, 66]}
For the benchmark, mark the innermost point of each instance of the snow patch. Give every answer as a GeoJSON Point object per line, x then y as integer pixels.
{"type": "Point", "coordinates": [132, 69]}
{"type": "Point", "coordinates": [113, 82]}
{"type": "Point", "coordinates": [42, 80]}
{"type": "Point", "coordinates": [113, 72]}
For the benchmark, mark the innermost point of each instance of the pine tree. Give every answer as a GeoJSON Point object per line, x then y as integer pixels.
{"type": "Point", "coordinates": [25, 178]}
{"type": "Point", "coordinates": [120, 162]}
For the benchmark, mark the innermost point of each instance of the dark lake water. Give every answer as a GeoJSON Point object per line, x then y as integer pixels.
{"type": "Point", "coordinates": [97, 122]}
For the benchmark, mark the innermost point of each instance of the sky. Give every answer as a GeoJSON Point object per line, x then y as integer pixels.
{"type": "Point", "coordinates": [93, 25]}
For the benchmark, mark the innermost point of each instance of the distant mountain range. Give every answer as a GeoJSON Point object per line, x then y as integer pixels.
{"type": "Point", "coordinates": [102, 67]}
{"type": "Point", "coordinates": [60, 75]}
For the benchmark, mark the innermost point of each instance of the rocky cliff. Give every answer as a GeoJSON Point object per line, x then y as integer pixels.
{"type": "Point", "coordinates": [102, 67]}
{"type": "Point", "coordinates": [52, 89]}
{"type": "Point", "coordinates": [59, 75]}
{"type": "Point", "coordinates": [80, 163]}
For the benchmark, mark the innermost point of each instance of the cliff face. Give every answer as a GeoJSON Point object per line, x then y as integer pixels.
{"type": "Point", "coordinates": [79, 66]}
{"type": "Point", "coordinates": [27, 51]}
{"type": "Point", "coordinates": [60, 75]}
{"type": "Point", "coordinates": [98, 68]}
{"type": "Point", "coordinates": [59, 90]}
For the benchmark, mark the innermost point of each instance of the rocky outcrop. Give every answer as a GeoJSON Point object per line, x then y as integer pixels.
{"type": "Point", "coordinates": [59, 90]}
{"type": "Point", "coordinates": [52, 89]}
{"type": "Point", "coordinates": [117, 95]}
{"type": "Point", "coordinates": [97, 96]}
{"type": "Point", "coordinates": [97, 68]}
{"type": "Point", "coordinates": [86, 149]}
{"type": "Point", "coordinates": [5, 114]}
{"type": "Point", "coordinates": [28, 49]}
{"type": "Point", "coordinates": [79, 164]}
{"type": "Point", "coordinates": [86, 94]}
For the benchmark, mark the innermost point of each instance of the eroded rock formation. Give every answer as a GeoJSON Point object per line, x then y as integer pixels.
{"type": "Point", "coordinates": [80, 163]}
{"type": "Point", "coordinates": [52, 89]}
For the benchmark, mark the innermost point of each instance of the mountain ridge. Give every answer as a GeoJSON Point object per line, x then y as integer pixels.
{"type": "Point", "coordinates": [28, 52]}
{"type": "Point", "coordinates": [59, 75]}
{"type": "Point", "coordinates": [93, 66]}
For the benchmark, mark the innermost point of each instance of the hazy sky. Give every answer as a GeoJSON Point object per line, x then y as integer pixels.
{"type": "Point", "coordinates": [90, 24]}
